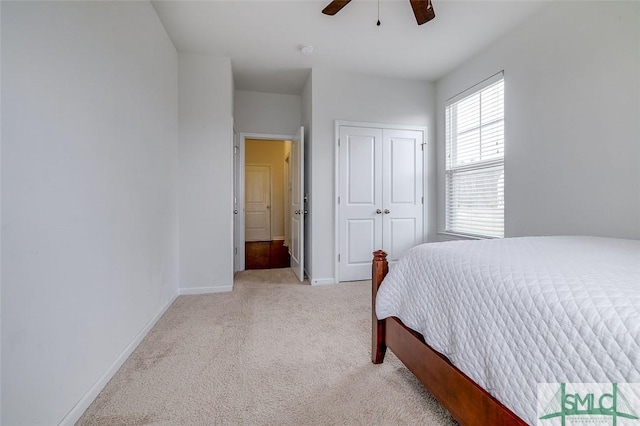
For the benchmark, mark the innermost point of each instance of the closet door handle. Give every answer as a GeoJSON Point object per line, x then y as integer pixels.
{"type": "Point", "coordinates": [378, 211]}
{"type": "Point", "coordinates": [386, 211]}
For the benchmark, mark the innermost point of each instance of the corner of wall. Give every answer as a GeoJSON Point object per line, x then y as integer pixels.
{"type": "Point", "coordinates": [206, 173]}
{"type": "Point", "coordinates": [307, 121]}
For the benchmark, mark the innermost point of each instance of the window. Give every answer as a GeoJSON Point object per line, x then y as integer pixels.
{"type": "Point", "coordinates": [474, 132]}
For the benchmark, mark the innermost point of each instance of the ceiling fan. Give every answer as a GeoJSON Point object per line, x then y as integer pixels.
{"type": "Point", "coordinates": [422, 9]}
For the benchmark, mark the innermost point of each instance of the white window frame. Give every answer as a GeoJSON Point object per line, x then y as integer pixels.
{"type": "Point", "coordinates": [473, 228]}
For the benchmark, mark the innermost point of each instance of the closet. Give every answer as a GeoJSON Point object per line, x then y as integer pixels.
{"type": "Point", "coordinates": [381, 199]}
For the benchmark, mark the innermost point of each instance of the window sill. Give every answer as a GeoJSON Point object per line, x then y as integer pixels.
{"type": "Point", "coordinates": [452, 236]}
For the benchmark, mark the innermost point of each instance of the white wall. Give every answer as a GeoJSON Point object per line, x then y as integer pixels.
{"type": "Point", "coordinates": [257, 112]}
{"type": "Point", "coordinates": [206, 185]}
{"type": "Point", "coordinates": [353, 97]}
{"type": "Point", "coordinates": [572, 108]}
{"type": "Point", "coordinates": [89, 148]}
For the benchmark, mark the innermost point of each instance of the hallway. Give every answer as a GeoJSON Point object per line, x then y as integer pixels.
{"type": "Point", "coordinates": [266, 255]}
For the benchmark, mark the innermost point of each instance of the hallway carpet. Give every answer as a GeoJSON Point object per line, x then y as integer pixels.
{"type": "Point", "coordinates": [272, 352]}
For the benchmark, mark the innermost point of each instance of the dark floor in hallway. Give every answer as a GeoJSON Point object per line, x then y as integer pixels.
{"type": "Point", "coordinates": [266, 255]}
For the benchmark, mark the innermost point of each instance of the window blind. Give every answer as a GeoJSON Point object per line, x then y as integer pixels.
{"type": "Point", "coordinates": [474, 133]}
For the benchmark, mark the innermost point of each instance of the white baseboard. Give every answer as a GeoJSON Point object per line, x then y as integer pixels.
{"type": "Point", "coordinates": [78, 410]}
{"type": "Point", "coordinates": [322, 281]}
{"type": "Point", "coordinates": [277, 239]}
{"type": "Point", "coordinates": [204, 290]}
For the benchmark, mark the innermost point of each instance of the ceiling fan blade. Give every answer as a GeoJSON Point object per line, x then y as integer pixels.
{"type": "Point", "coordinates": [423, 10]}
{"type": "Point", "coordinates": [335, 6]}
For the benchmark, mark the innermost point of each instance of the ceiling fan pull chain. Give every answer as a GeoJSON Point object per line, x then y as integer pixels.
{"type": "Point", "coordinates": [378, 23]}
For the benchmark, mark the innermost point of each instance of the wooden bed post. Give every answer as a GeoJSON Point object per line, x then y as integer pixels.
{"type": "Point", "coordinates": [379, 270]}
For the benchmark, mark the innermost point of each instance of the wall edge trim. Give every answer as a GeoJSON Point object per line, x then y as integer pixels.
{"type": "Point", "coordinates": [204, 290]}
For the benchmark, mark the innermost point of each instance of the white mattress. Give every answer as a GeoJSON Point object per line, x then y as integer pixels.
{"type": "Point", "coordinates": [515, 312]}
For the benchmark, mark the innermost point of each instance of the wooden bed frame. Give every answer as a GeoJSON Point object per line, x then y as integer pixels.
{"type": "Point", "coordinates": [466, 401]}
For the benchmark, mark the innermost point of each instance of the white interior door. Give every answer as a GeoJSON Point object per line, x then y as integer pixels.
{"type": "Point", "coordinates": [402, 191]}
{"type": "Point", "coordinates": [237, 264]}
{"type": "Point", "coordinates": [296, 210]}
{"type": "Point", "coordinates": [257, 203]}
{"type": "Point", "coordinates": [360, 201]}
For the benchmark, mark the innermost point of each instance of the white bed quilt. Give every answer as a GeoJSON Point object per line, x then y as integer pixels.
{"type": "Point", "coordinates": [515, 312]}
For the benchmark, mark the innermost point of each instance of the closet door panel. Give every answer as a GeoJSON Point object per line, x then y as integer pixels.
{"type": "Point", "coordinates": [401, 237]}
{"type": "Point", "coordinates": [360, 199]}
{"type": "Point", "coordinates": [402, 194]}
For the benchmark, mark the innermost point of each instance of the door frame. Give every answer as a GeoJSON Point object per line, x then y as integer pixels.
{"type": "Point", "coordinates": [336, 188]}
{"type": "Point", "coordinates": [239, 237]}
{"type": "Point", "coordinates": [234, 201]}
{"type": "Point", "coordinates": [287, 200]}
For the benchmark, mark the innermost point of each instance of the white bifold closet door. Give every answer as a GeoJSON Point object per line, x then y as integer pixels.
{"type": "Point", "coordinates": [381, 196]}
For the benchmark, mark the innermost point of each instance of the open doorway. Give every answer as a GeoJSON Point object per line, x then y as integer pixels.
{"type": "Point", "coordinates": [266, 203]}
{"type": "Point", "coordinates": [285, 212]}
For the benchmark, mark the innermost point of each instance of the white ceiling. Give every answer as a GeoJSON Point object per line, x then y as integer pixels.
{"type": "Point", "coordinates": [263, 37]}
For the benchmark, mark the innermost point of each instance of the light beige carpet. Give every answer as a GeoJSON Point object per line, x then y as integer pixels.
{"type": "Point", "coordinates": [272, 352]}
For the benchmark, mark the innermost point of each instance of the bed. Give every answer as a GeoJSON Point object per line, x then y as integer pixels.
{"type": "Point", "coordinates": [481, 323]}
